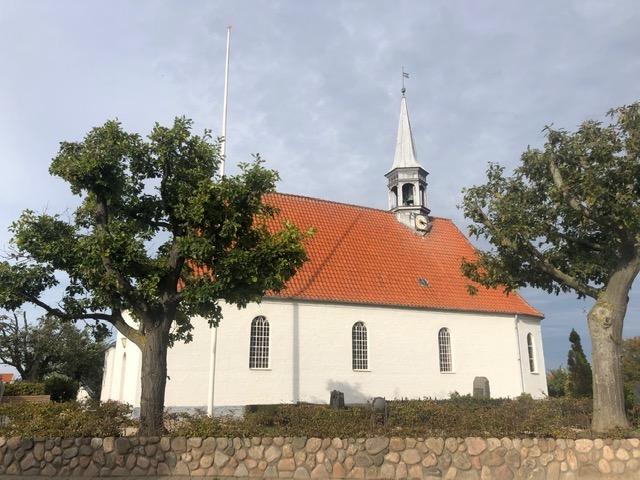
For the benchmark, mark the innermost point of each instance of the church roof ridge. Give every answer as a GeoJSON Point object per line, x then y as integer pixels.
{"type": "Point", "coordinates": [318, 199]}
{"type": "Point", "coordinates": [355, 205]}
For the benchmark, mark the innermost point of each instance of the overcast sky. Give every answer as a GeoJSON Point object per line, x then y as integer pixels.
{"type": "Point", "coordinates": [315, 89]}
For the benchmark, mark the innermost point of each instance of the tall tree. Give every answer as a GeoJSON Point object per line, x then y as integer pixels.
{"type": "Point", "coordinates": [156, 240]}
{"type": "Point", "coordinates": [568, 219]}
{"type": "Point", "coordinates": [51, 345]}
{"type": "Point", "coordinates": [579, 378]}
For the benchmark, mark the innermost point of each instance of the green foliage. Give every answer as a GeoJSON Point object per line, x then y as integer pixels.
{"type": "Point", "coordinates": [459, 417]}
{"type": "Point", "coordinates": [157, 234]}
{"type": "Point", "coordinates": [557, 382]}
{"type": "Point", "coordinates": [51, 345]}
{"type": "Point", "coordinates": [162, 192]}
{"type": "Point", "coordinates": [568, 219]}
{"type": "Point", "coordinates": [23, 388]}
{"type": "Point", "coordinates": [579, 378]}
{"type": "Point", "coordinates": [71, 419]}
{"type": "Point", "coordinates": [631, 370]}
{"type": "Point", "coordinates": [569, 213]}
{"type": "Point", "coordinates": [61, 388]}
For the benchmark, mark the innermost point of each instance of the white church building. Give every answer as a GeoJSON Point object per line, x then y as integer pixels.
{"type": "Point", "coordinates": [381, 308]}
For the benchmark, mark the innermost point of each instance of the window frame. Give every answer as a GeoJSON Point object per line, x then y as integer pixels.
{"type": "Point", "coordinates": [363, 327]}
{"type": "Point", "coordinates": [257, 358]}
{"type": "Point", "coordinates": [448, 351]}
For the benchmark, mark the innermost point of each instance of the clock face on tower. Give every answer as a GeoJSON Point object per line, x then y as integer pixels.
{"type": "Point", "coordinates": [421, 222]}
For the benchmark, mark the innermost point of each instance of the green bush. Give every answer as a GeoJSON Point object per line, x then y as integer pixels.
{"type": "Point", "coordinates": [460, 416]}
{"type": "Point", "coordinates": [23, 388]}
{"type": "Point", "coordinates": [71, 419]}
{"type": "Point", "coordinates": [61, 388]}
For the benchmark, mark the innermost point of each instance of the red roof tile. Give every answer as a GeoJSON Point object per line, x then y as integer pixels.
{"type": "Point", "coordinates": [364, 255]}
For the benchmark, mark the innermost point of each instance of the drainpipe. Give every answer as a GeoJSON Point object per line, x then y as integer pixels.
{"type": "Point", "coordinates": [212, 370]}
{"type": "Point", "coordinates": [517, 321]}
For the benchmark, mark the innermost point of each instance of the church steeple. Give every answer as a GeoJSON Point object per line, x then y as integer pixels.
{"type": "Point", "coordinates": [407, 180]}
{"type": "Point", "coordinates": [405, 155]}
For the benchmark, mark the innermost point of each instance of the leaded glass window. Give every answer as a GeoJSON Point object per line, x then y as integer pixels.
{"type": "Point", "coordinates": [259, 345]}
{"type": "Point", "coordinates": [359, 347]}
{"type": "Point", "coordinates": [444, 349]}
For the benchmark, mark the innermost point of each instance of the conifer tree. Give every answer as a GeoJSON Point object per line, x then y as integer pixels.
{"type": "Point", "coordinates": [579, 379]}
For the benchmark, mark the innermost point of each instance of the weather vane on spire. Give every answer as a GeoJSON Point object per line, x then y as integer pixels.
{"type": "Point", "coordinates": [404, 75]}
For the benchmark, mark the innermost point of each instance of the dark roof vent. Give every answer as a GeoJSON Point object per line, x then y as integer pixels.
{"type": "Point", "coordinates": [423, 282]}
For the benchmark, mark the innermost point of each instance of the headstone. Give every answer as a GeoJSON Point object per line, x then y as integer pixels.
{"type": "Point", "coordinates": [481, 388]}
{"type": "Point", "coordinates": [337, 399]}
{"type": "Point", "coordinates": [379, 411]}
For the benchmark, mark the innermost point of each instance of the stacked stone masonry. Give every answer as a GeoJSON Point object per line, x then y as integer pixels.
{"type": "Point", "coordinates": [310, 458]}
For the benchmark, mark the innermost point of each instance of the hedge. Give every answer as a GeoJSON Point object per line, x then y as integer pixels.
{"type": "Point", "coordinates": [70, 419]}
{"type": "Point", "coordinates": [459, 417]}
{"type": "Point", "coordinates": [23, 388]}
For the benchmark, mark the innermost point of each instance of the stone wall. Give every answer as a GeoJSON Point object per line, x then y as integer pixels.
{"type": "Point", "coordinates": [303, 458]}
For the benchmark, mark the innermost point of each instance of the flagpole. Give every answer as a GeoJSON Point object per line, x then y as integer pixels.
{"type": "Point", "coordinates": [223, 146]}
{"type": "Point", "coordinates": [223, 150]}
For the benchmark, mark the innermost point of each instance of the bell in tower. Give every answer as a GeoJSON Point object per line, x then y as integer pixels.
{"type": "Point", "coordinates": [407, 180]}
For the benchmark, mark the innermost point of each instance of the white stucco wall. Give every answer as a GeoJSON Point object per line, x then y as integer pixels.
{"type": "Point", "coordinates": [310, 355]}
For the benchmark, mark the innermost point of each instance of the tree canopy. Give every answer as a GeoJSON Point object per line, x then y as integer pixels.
{"type": "Point", "coordinates": [153, 212]}
{"type": "Point", "coordinates": [568, 219]}
{"type": "Point", "coordinates": [50, 345]}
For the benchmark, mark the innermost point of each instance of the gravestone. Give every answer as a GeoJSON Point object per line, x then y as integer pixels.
{"type": "Point", "coordinates": [337, 399]}
{"type": "Point", "coordinates": [379, 411]}
{"type": "Point", "coordinates": [481, 388]}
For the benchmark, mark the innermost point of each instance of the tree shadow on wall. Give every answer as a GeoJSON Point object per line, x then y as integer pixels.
{"type": "Point", "coordinates": [352, 393]}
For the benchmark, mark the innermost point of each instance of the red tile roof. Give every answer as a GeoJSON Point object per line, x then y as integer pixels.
{"type": "Point", "coordinates": [365, 256]}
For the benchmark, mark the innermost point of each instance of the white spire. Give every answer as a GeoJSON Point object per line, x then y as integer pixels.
{"type": "Point", "coordinates": [405, 155]}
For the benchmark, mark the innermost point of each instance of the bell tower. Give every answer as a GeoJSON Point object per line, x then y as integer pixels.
{"type": "Point", "coordinates": [407, 180]}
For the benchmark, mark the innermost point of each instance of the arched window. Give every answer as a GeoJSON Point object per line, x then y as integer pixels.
{"type": "Point", "coordinates": [259, 345]}
{"type": "Point", "coordinates": [532, 353]}
{"type": "Point", "coordinates": [359, 347]}
{"type": "Point", "coordinates": [444, 349]}
{"type": "Point", "coordinates": [394, 197]}
{"type": "Point", "coordinates": [407, 194]}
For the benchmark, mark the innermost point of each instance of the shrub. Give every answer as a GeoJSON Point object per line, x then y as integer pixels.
{"type": "Point", "coordinates": [23, 388]}
{"type": "Point", "coordinates": [71, 419]}
{"type": "Point", "coordinates": [460, 416]}
{"type": "Point", "coordinates": [61, 388]}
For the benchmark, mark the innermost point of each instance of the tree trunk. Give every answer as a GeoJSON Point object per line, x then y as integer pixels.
{"type": "Point", "coordinates": [605, 326]}
{"type": "Point", "coordinates": [606, 319]}
{"type": "Point", "coordinates": [153, 380]}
